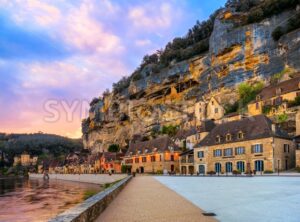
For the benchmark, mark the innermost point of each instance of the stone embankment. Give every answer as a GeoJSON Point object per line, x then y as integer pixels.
{"type": "Point", "coordinates": [90, 209]}
{"type": "Point", "coordinates": [85, 178]}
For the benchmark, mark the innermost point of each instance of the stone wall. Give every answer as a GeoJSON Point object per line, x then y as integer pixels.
{"type": "Point", "coordinates": [86, 178]}
{"type": "Point", "coordinates": [90, 209]}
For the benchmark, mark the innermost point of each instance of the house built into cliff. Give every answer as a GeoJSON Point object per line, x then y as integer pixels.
{"type": "Point", "coordinates": [275, 99]}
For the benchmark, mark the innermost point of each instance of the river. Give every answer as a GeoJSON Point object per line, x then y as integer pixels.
{"type": "Point", "coordinates": [35, 200]}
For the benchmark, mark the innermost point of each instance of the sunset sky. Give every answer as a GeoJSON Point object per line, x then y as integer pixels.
{"type": "Point", "coordinates": [60, 54]}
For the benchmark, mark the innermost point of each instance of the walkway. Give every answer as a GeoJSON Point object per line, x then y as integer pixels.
{"type": "Point", "coordinates": [146, 199]}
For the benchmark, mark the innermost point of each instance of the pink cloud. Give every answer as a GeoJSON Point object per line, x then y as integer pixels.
{"type": "Point", "coordinates": [151, 17]}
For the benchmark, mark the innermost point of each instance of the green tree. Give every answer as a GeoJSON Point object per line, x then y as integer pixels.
{"type": "Point", "coordinates": [114, 148]}
{"type": "Point", "coordinates": [248, 92]}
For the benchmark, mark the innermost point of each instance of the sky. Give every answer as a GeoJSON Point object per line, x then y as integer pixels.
{"type": "Point", "coordinates": [56, 55]}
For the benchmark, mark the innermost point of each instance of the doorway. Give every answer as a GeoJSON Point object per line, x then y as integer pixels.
{"type": "Point", "coordinates": [201, 169]}
{"type": "Point", "coordinates": [142, 169]}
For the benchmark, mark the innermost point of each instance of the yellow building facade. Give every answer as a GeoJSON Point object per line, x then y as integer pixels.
{"type": "Point", "coordinates": [155, 156]}
{"type": "Point", "coordinates": [275, 98]}
{"type": "Point", "coordinates": [250, 144]}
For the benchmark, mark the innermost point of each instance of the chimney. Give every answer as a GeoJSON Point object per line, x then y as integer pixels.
{"type": "Point", "coordinates": [274, 128]}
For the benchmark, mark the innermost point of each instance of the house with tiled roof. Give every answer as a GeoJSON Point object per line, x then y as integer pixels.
{"type": "Point", "coordinates": [186, 159]}
{"type": "Point", "coordinates": [276, 99]}
{"type": "Point", "coordinates": [249, 144]}
{"type": "Point", "coordinates": [153, 156]}
{"type": "Point", "coordinates": [110, 162]}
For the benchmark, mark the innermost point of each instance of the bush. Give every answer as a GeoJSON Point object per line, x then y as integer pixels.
{"type": "Point", "coordinates": [89, 193]}
{"type": "Point", "coordinates": [236, 172]}
{"type": "Point", "coordinates": [256, 15]}
{"type": "Point", "coordinates": [114, 148]}
{"type": "Point", "coordinates": [266, 109]}
{"type": "Point", "coordinates": [295, 102]}
{"type": "Point", "coordinates": [125, 168]}
{"type": "Point", "coordinates": [277, 33]}
{"type": "Point", "coordinates": [231, 108]}
{"type": "Point", "coordinates": [169, 130]}
{"type": "Point", "coordinates": [282, 118]}
{"type": "Point", "coordinates": [248, 92]}
{"type": "Point", "coordinates": [159, 172]}
{"type": "Point", "coordinates": [268, 172]}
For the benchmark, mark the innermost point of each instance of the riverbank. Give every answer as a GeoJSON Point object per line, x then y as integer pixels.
{"type": "Point", "coordinates": [85, 178]}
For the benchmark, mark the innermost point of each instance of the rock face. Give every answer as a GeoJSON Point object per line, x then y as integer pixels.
{"type": "Point", "coordinates": [236, 54]}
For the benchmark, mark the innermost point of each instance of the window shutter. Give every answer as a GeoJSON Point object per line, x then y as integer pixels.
{"type": "Point", "coordinates": [236, 151]}
{"type": "Point", "coordinates": [252, 148]}
{"type": "Point", "coordinates": [262, 148]}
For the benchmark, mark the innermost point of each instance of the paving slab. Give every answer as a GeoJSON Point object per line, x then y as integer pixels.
{"type": "Point", "coordinates": [146, 199]}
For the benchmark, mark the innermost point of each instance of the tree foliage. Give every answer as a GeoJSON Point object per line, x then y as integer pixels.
{"type": "Point", "coordinates": [114, 148]}
{"type": "Point", "coordinates": [169, 130]}
{"type": "Point", "coordinates": [47, 145]}
{"type": "Point", "coordinates": [248, 92]}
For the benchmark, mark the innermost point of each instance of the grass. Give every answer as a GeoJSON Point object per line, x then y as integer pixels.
{"type": "Point", "coordinates": [89, 193]}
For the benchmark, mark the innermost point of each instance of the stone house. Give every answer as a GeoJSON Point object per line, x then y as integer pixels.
{"type": "Point", "coordinates": [186, 162]}
{"type": "Point", "coordinates": [245, 145]}
{"type": "Point", "coordinates": [111, 162]}
{"type": "Point", "coordinates": [154, 156]}
{"type": "Point", "coordinates": [186, 139]}
{"type": "Point", "coordinates": [210, 110]}
{"type": "Point", "coordinates": [275, 99]}
{"type": "Point", "coordinates": [186, 159]}
{"type": "Point", "coordinates": [25, 160]}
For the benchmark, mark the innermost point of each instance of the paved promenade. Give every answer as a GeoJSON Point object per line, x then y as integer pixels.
{"type": "Point", "coordinates": [146, 199]}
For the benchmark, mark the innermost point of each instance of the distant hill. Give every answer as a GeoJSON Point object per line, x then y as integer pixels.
{"type": "Point", "coordinates": [46, 146]}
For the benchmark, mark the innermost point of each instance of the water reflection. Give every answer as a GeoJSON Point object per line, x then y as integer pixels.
{"type": "Point", "coordinates": [38, 200]}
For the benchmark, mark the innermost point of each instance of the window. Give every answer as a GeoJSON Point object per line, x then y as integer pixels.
{"type": "Point", "coordinates": [257, 106]}
{"type": "Point", "coordinates": [216, 110]}
{"type": "Point", "coordinates": [286, 148]}
{"type": "Point", "coordinates": [240, 135]}
{"type": "Point", "coordinates": [200, 154]}
{"type": "Point", "coordinates": [259, 165]}
{"type": "Point", "coordinates": [172, 157]}
{"type": "Point", "coordinates": [212, 103]}
{"type": "Point", "coordinates": [218, 167]}
{"type": "Point", "coordinates": [152, 158]}
{"type": "Point", "coordinates": [144, 159]}
{"type": "Point", "coordinates": [258, 97]}
{"type": "Point", "coordinates": [228, 137]}
{"type": "Point", "coordinates": [128, 161]}
{"type": "Point", "coordinates": [218, 152]}
{"type": "Point", "coordinates": [257, 148]}
{"type": "Point", "coordinates": [228, 152]}
{"type": "Point", "coordinates": [136, 160]}
{"type": "Point", "coordinates": [228, 167]}
{"type": "Point", "coordinates": [240, 166]}
{"type": "Point", "coordinates": [239, 150]}
{"type": "Point", "coordinates": [218, 139]}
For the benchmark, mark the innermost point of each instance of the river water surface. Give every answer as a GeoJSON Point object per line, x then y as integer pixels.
{"type": "Point", "coordinates": [35, 200]}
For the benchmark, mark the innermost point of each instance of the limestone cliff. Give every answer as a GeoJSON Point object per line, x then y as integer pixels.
{"type": "Point", "coordinates": [236, 54]}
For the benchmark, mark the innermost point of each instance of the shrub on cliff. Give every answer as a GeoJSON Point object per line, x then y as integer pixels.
{"type": "Point", "coordinates": [248, 92]}
{"type": "Point", "coordinates": [114, 148]}
{"type": "Point", "coordinates": [277, 33]}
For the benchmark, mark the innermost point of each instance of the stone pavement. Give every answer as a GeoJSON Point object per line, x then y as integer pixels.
{"type": "Point", "coordinates": [146, 199]}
